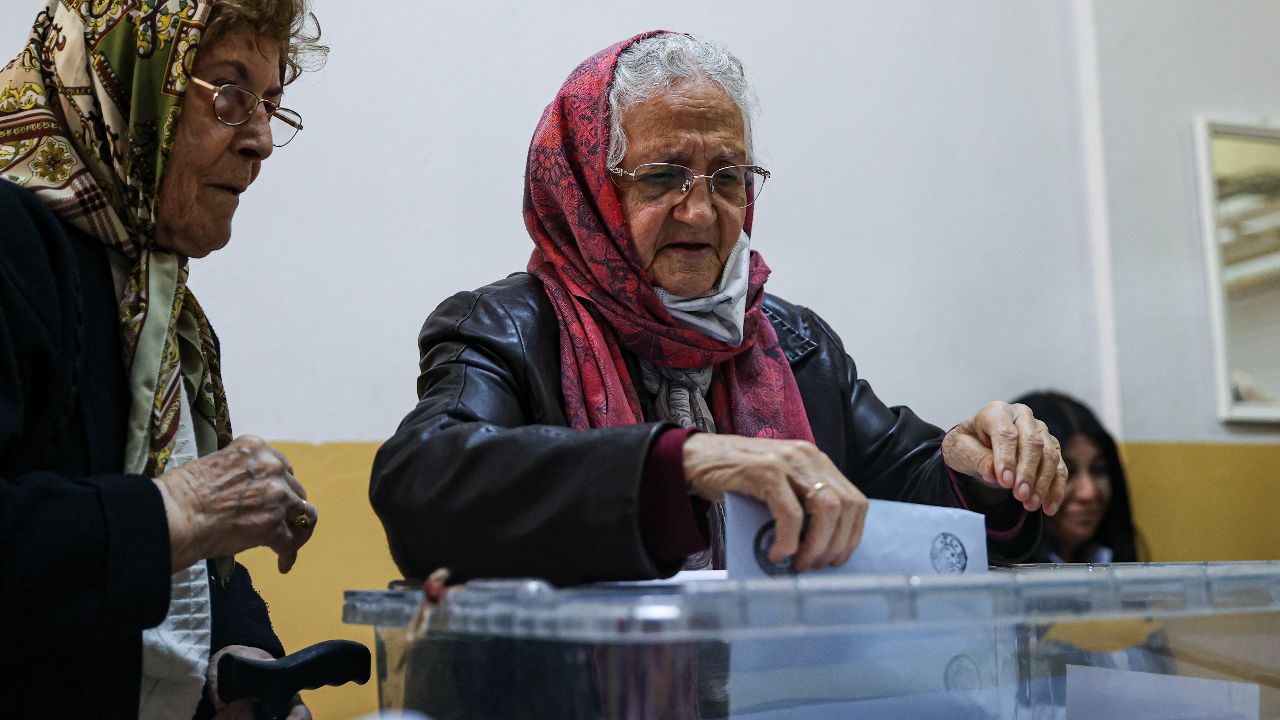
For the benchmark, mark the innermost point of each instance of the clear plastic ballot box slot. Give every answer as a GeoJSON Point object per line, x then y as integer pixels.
{"type": "Point", "coordinates": [1132, 641]}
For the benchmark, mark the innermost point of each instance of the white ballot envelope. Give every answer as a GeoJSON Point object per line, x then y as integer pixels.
{"type": "Point", "coordinates": [897, 538]}
{"type": "Point", "coordinates": [943, 670]}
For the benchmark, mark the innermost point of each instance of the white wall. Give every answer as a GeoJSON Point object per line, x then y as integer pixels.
{"type": "Point", "coordinates": [928, 197]}
{"type": "Point", "coordinates": [1162, 62]}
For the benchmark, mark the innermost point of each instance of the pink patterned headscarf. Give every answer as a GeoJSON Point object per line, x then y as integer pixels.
{"type": "Point", "coordinates": [604, 300]}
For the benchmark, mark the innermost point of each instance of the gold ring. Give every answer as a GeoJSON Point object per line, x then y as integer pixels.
{"type": "Point", "coordinates": [817, 488]}
{"type": "Point", "coordinates": [302, 522]}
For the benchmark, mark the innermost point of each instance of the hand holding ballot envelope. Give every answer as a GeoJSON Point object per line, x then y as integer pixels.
{"type": "Point", "coordinates": [897, 538]}
{"type": "Point", "coordinates": [795, 480]}
{"type": "Point", "coordinates": [819, 515]}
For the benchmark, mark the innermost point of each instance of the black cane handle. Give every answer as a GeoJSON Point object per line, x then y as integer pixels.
{"type": "Point", "coordinates": [271, 684]}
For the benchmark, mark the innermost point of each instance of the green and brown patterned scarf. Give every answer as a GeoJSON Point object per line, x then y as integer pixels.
{"type": "Point", "coordinates": [88, 114]}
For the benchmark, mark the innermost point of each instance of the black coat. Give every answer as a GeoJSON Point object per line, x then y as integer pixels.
{"type": "Point", "coordinates": [484, 477]}
{"type": "Point", "coordinates": [84, 548]}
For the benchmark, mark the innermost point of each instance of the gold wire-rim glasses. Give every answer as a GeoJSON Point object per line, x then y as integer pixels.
{"type": "Point", "coordinates": [690, 177]}
{"type": "Point", "coordinates": [289, 117]}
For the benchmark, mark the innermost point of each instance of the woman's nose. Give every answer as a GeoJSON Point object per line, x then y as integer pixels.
{"type": "Point", "coordinates": [254, 137]}
{"type": "Point", "coordinates": [1086, 488]}
{"type": "Point", "coordinates": [696, 208]}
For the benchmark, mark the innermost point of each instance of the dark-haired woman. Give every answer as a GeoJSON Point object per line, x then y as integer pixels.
{"type": "Point", "coordinates": [1094, 524]}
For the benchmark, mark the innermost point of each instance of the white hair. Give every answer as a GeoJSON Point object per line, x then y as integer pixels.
{"type": "Point", "coordinates": [654, 64]}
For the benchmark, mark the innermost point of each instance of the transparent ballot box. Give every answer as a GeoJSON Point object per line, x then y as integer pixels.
{"type": "Point", "coordinates": [1123, 641]}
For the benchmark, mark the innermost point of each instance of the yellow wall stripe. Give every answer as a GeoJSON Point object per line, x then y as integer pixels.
{"type": "Point", "coordinates": [347, 552]}
{"type": "Point", "coordinates": [1205, 501]}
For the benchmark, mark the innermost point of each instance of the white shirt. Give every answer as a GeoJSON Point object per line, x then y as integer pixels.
{"type": "Point", "coordinates": [175, 653]}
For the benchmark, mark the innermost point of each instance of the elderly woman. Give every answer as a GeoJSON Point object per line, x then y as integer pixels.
{"type": "Point", "coordinates": [127, 134]}
{"type": "Point", "coordinates": [584, 421]}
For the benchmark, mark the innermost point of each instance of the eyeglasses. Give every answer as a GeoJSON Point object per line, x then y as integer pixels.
{"type": "Point", "coordinates": [667, 183]}
{"type": "Point", "coordinates": [233, 105]}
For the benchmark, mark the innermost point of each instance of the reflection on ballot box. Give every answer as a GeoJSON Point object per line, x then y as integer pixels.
{"type": "Point", "coordinates": [1126, 641]}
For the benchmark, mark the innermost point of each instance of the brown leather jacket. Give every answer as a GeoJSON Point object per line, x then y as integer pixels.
{"type": "Point", "coordinates": [484, 477]}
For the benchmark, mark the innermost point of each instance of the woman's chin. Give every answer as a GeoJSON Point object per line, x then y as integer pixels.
{"type": "Point", "coordinates": [687, 290]}
{"type": "Point", "coordinates": [687, 284]}
{"type": "Point", "coordinates": [1082, 532]}
{"type": "Point", "coordinates": [194, 245]}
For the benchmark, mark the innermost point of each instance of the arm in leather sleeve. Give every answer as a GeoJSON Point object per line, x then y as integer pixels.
{"type": "Point", "coordinates": [474, 482]}
{"type": "Point", "coordinates": [894, 455]}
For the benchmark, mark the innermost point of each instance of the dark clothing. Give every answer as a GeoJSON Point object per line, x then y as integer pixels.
{"type": "Point", "coordinates": [673, 523]}
{"type": "Point", "coordinates": [484, 478]}
{"type": "Point", "coordinates": [84, 548]}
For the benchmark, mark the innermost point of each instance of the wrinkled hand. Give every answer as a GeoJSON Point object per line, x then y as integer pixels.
{"type": "Point", "coordinates": [782, 474]}
{"type": "Point", "coordinates": [1006, 447]}
{"type": "Point", "coordinates": [243, 709]}
{"type": "Point", "coordinates": [240, 497]}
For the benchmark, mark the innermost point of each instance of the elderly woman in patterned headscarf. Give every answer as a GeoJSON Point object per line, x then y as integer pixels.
{"type": "Point", "coordinates": [584, 421]}
{"type": "Point", "coordinates": [128, 132]}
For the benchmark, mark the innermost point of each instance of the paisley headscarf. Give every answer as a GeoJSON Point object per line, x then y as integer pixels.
{"type": "Point", "coordinates": [604, 300]}
{"type": "Point", "coordinates": [88, 115]}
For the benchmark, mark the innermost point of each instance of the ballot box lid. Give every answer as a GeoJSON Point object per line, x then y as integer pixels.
{"type": "Point", "coordinates": [727, 609]}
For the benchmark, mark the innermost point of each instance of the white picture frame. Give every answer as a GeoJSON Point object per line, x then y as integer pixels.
{"type": "Point", "coordinates": [1231, 409]}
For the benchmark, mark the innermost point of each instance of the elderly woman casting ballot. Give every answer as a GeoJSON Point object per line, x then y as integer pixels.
{"type": "Point", "coordinates": [128, 132]}
{"type": "Point", "coordinates": [584, 421]}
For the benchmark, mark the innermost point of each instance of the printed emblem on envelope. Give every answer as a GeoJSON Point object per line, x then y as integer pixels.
{"type": "Point", "coordinates": [764, 539]}
{"type": "Point", "coordinates": [962, 675]}
{"type": "Point", "coordinates": [948, 554]}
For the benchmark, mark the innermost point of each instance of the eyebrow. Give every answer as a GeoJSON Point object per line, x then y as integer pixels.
{"type": "Point", "coordinates": [671, 155]}
{"type": "Point", "coordinates": [675, 155]}
{"type": "Point", "coordinates": [242, 76]}
{"type": "Point", "coordinates": [732, 155]}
